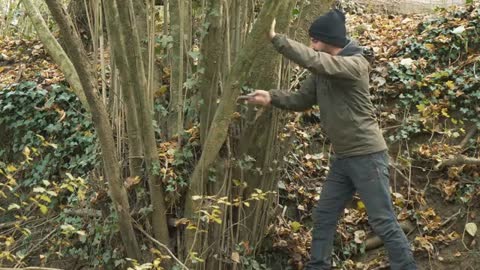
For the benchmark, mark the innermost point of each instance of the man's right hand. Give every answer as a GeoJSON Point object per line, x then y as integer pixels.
{"type": "Point", "coordinates": [259, 97]}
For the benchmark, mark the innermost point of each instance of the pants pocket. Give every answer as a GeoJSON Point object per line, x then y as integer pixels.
{"type": "Point", "coordinates": [378, 166]}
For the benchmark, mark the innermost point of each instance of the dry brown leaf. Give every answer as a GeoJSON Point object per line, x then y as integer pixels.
{"type": "Point", "coordinates": [131, 181]}
{"type": "Point", "coordinates": [235, 257]}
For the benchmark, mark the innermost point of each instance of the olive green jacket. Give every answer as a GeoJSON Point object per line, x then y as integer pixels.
{"type": "Point", "coordinates": [340, 86]}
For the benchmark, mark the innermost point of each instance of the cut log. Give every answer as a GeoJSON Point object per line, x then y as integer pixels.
{"type": "Point", "coordinates": [375, 241]}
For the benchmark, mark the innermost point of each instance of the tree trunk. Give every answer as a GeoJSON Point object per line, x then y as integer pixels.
{"type": "Point", "coordinates": [175, 117]}
{"type": "Point", "coordinates": [55, 51]}
{"type": "Point", "coordinates": [140, 10]}
{"type": "Point", "coordinates": [259, 138]}
{"type": "Point", "coordinates": [262, 143]}
{"type": "Point", "coordinates": [141, 18]}
{"type": "Point", "coordinates": [102, 126]}
{"type": "Point", "coordinates": [218, 131]}
{"type": "Point", "coordinates": [78, 13]}
{"type": "Point", "coordinates": [118, 52]}
{"type": "Point", "coordinates": [145, 118]}
{"type": "Point", "coordinates": [309, 11]}
{"type": "Point", "coordinates": [212, 51]}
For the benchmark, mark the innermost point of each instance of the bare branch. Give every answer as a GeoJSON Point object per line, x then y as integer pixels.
{"type": "Point", "coordinates": [161, 245]}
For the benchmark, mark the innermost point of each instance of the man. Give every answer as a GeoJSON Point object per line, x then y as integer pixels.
{"type": "Point", "coordinates": [339, 85]}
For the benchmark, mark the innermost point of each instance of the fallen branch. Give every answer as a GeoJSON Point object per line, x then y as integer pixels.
{"type": "Point", "coordinates": [454, 216]}
{"type": "Point", "coordinates": [458, 160]}
{"type": "Point", "coordinates": [10, 224]}
{"type": "Point", "coordinates": [468, 136]}
{"type": "Point", "coordinates": [375, 241]}
{"type": "Point", "coordinates": [84, 212]}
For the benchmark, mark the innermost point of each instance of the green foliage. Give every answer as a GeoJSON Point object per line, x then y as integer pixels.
{"type": "Point", "coordinates": [165, 41]}
{"type": "Point", "coordinates": [439, 74]}
{"type": "Point", "coordinates": [49, 129]}
{"type": "Point", "coordinates": [249, 261]}
{"type": "Point", "coordinates": [48, 146]}
{"type": "Point", "coordinates": [177, 162]}
{"type": "Point", "coordinates": [183, 162]}
{"type": "Point", "coordinates": [72, 235]}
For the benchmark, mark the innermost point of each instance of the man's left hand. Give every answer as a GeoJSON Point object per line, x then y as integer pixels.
{"type": "Point", "coordinates": [271, 33]}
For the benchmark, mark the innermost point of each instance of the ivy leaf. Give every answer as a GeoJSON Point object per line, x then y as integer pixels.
{"type": "Point", "coordinates": [190, 83]}
{"type": "Point", "coordinates": [421, 107]}
{"type": "Point", "coordinates": [194, 54]}
{"type": "Point", "coordinates": [459, 30]}
{"type": "Point", "coordinates": [82, 236]}
{"type": "Point", "coordinates": [8, 107]}
{"type": "Point", "coordinates": [450, 85]}
{"type": "Point", "coordinates": [49, 103]}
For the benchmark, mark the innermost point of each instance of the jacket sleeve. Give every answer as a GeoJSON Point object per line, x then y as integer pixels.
{"type": "Point", "coordinates": [346, 67]}
{"type": "Point", "coordinates": [298, 101]}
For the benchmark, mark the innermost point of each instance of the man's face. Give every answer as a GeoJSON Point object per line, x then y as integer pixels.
{"type": "Point", "coordinates": [317, 45]}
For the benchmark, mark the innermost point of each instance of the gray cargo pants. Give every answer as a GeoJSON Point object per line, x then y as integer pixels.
{"type": "Point", "coordinates": [369, 176]}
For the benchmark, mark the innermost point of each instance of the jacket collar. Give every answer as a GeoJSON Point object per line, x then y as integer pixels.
{"type": "Point", "coordinates": [352, 48]}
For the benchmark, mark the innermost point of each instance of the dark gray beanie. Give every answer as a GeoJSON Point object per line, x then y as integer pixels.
{"type": "Point", "coordinates": [330, 28]}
